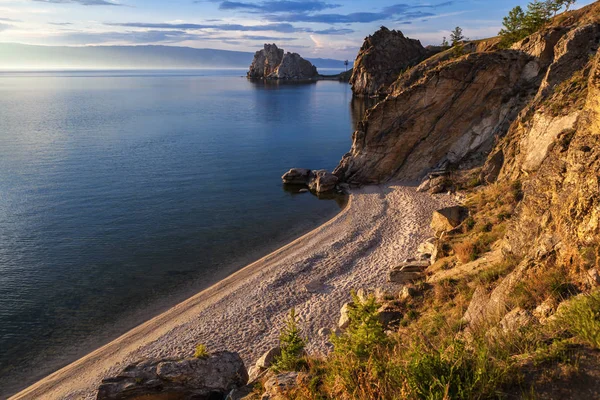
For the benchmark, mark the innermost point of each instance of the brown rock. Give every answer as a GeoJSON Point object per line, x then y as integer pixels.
{"type": "Point", "coordinates": [446, 219]}
{"type": "Point", "coordinates": [382, 57]}
{"type": "Point", "coordinates": [451, 115]}
{"type": "Point", "coordinates": [272, 63]}
{"type": "Point", "coordinates": [323, 181]}
{"type": "Point", "coordinates": [297, 176]}
{"type": "Point", "coordinates": [198, 378]}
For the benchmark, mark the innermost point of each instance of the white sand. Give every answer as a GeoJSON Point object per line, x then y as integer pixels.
{"type": "Point", "coordinates": [381, 226]}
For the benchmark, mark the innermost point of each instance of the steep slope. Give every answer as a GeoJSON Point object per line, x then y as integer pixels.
{"type": "Point", "coordinates": [449, 116]}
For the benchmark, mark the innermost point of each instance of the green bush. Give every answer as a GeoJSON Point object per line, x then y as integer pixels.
{"type": "Point", "coordinates": [582, 318]}
{"type": "Point", "coordinates": [292, 346]}
{"type": "Point", "coordinates": [454, 371]}
{"type": "Point", "coordinates": [364, 332]}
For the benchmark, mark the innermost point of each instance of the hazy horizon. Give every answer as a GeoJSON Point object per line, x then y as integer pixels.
{"type": "Point", "coordinates": [24, 57]}
{"type": "Point", "coordinates": [313, 28]}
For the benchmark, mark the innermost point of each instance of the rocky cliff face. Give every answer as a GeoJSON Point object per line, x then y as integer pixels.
{"type": "Point", "coordinates": [272, 63]}
{"type": "Point", "coordinates": [448, 113]}
{"type": "Point", "coordinates": [382, 57]}
{"type": "Point", "coordinates": [449, 116]}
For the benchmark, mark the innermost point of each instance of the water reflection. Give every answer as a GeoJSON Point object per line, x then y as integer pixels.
{"type": "Point", "coordinates": [358, 107]}
{"type": "Point", "coordinates": [301, 190]}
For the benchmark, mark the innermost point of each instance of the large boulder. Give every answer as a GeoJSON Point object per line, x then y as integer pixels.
{"type": "Point", "coordinates": [323, 181]}
{"type": "Point", "coordinates": [273, 63]}
{"type": "Point", "coordinates": [382, 57]}
{"type": "Point", "coordinates": [320, 181]}
{"type": "Point", "coordinates": [297, 176]}
{"type": "Point", "coordinates": [448, 218]}
{"type": "Point", "coordinates": [197, 378]}
{"type": "Point", "coordinates": [408, 272]}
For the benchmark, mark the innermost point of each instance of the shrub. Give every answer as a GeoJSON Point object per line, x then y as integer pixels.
{"type": "Point", "coordinates": [364, 332]}
{"type": "Point", "coordinates": [201, 351]}
{"type": "Point", "coordinates": [292, 346]}
{"type": "Point", "coordinates": [454, 371]}
{"type": "Point", "coordinates": [582, 318]}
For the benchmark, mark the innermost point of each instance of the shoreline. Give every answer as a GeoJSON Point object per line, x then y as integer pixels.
{"type": "Point", "coordinates": [243, 312]}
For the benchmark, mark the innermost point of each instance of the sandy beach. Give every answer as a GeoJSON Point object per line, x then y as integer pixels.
{"type": "Point", "coordinates": [381, 226]}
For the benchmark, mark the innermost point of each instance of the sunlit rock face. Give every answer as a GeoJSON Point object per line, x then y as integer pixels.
{"type": "Point", "coordinates": [381, 59]}
{"type": "Point", "coordinates": [273, 63]}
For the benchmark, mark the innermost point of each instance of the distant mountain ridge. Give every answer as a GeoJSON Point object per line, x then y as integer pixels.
{"type": "Point", "coordinates": [20, 56]}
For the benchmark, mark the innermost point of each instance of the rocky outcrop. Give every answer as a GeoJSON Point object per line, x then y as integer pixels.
{"type": "Point", "coordinates": [451, 116]}
{"type": "Point", "coordinates": [272, 63]}
{"type": "Point", "coordinates": [199, 378]}
{"type": "Point", "coordinates": [381, 59]}
{"type": "Point", "coordinates": [448, 218]}
{"type": "Point", "coordinates": [408, 272]}
{"type": "Point", "coordinates": [319, 181]}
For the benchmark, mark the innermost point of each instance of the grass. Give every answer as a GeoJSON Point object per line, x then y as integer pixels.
{"type": "Point", "coordinates": [581, 318]}
{"type": "Point", "coordinates": [201, 351]}
{"type": "Point", "coordinates": [538, 285]}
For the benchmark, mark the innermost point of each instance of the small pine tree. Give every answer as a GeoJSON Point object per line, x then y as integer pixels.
{"type": "Point", "coordinates": [364, 333]}
{"type": "Point", "coordinates": [292, 346]}
{"type": "Point", "coordinates": [513, 27]}
{"type": "Point", "coordinates": [456, 36]}
{"type": "Point", "coordinates": [445, 43]}
{"type": "Point", "coordinates": [538, 14]}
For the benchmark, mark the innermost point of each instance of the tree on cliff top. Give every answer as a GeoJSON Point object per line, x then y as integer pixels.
{"type": "Point", "coordinates": [519, 24]}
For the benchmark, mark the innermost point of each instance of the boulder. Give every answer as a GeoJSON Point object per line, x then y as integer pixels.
{"type": "Point", "coordinates": [198, 378]}
{"type": "Point", "coordinates": [448, 218]}
{"type": "Point", "coordinates": [297, 176]}
{"type": "Point", "coordinates": [267, 359]}
{"type": "Point", "coordinates": [408, 272]}
{"type": "Point", "coordinates": [278, 386]}
{"type": "Point", "coordinates": [389, 314]}
{"type": "Point", "coordinates": [344, 317]}
{"type": "Point", "coordinates": [272, 63]}
{"type": "Point", "coordinates": [381, 59]}
{"type": "Point", "coordinates": [323, 181]}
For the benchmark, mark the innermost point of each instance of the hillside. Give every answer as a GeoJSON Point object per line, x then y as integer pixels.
{"type": "Point", "coordinates": [15, 56]}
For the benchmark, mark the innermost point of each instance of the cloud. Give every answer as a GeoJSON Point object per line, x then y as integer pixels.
{"type": "Point", "coordinates": [4, 27]}
{"type": "Point", "coordinates": [83, 2]}
{"type": "Point", "coordinates": [280, 28]}
{"type": "Point", "coordinates": [61, 23]}
{"type": "Point", "coordinates": [151, 36]}
{"type": "Point", "coordinates": [278, 6]}
{"type": "Point", "coordinates": [9, 20]}
{"type": "Point", "coordinates": [308, 11]}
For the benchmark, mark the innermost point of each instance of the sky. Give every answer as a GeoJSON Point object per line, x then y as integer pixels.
{"type": "Point", "coordinates": [313, 28]}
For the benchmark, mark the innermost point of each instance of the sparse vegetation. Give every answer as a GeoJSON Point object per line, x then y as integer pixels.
{"type": "Point", "coordinates": [292, 346]}
{"type": "Point", "coordinates": [581, 318]}
{"type": "Point", "coordinates": [201, 351]}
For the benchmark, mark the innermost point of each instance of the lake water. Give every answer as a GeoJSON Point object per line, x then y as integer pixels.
{"type": "Point", "coordinates": [122, 193]}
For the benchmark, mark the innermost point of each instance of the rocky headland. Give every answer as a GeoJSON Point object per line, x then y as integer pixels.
{"type": "Point", "coordinates": [483, 282]}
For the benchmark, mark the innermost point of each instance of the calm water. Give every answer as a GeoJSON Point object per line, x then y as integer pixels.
{"type": "Point", "coordinates": [122, 193]}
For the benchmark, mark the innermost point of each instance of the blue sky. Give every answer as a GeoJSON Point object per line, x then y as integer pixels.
{"type": "Point", "coordinates": [317, 28]}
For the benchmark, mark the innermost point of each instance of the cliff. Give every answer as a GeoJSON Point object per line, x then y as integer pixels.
{"type": "Point", "coordinates": [382, 57]}
{"type": "Point", "coordinates": [273, 63]}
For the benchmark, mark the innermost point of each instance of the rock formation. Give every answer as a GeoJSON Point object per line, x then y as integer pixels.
{"type": "Point", "coordinates": [450, 116]}
{"type": "Point", "coordinates": [199, 378]}
{"type": "Point", "coordinates": [319, 181]}
{"type": "Point", "coordinates": [382, 57]}
{"type": "Point", "coordinates": [272, 63]}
